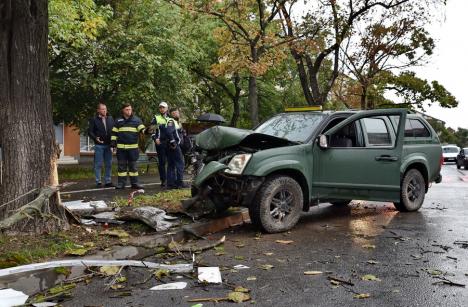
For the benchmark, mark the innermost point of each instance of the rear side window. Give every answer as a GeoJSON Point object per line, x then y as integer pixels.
{"type": "Point", "coordinates": [414, 128]}
{"type": "Point", "coordinates": [377, 132]}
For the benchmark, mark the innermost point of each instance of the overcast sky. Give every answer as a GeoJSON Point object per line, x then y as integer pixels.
{"type": "Point", "coordinates": [449, 64]}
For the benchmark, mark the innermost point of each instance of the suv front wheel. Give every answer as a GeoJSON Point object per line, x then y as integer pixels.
{"type": "Point", "coordinates": [277, 205]}
{"type": "Point", "coordinates": [412, 192]}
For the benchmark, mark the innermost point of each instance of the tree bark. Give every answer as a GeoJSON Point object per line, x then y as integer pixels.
{"type": "Point", "coordinates": [253, 100]}
{"type": "Point", "coordinates": [26, 129]}
{"type": "Point", "coordinates": [363, 97]}
{"type": "Point", "coordinates": [236, 100]}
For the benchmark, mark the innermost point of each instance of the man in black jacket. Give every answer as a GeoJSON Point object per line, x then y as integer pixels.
{"type": "Point", "coordinates": [100, 129]}
{"type": "Point", "coordinates": [125, 137]}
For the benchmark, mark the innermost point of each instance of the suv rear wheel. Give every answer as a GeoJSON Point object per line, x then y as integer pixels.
{"type": "Point", "coordinates": [412, 192]}
{"type": "Point", "coordinates": [277, 205]}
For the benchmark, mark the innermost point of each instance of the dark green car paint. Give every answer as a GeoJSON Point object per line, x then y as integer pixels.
{"type": "Point", "coordinates": [368, 173]}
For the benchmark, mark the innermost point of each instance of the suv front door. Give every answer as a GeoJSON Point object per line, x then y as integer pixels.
{"type": "Point", "coordinates": [363, 158]}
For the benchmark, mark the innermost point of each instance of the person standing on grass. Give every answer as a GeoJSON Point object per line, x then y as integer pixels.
{"type": "Point", "coordinates": [125, 137]}
{"type": "Point", "coordinates": [160, 140]}
{"type": "Point", "coordinates": [99, 130]}
{"type": "Point", "coordinates": [175, 157]}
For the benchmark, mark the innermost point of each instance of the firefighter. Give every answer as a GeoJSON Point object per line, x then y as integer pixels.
{"type": "Point", "coordinates": [160, 140]}
{"type": "Point", "coordinates": [175, 157]}
{"type": "Point", "coordinates": [125, 138]}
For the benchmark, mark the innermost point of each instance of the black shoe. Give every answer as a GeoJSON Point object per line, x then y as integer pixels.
{"type": "Point", "coordinates": [163, 183]}
{"type": "Point", "coordinates": [99, 185]}
{"type": "Point", "coordinates": [137, 186]}
{"type": "Point", "coordinates": [120, 186]}
{"type": "Point", "coordinates": [110, 185]}
{"type": "Point", "coordinates": [183, 186]}
{"type": "Point", "coordinates": [171, 187]}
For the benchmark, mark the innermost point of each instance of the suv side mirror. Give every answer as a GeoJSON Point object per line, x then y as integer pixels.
{"type": "Point", "coordinates": [323, 141]}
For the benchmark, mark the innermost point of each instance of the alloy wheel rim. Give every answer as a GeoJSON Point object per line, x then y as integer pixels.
{"type": "Point", "coordinates": [413, 189]}
{"type": "Point", "coordinates": [281, 205]}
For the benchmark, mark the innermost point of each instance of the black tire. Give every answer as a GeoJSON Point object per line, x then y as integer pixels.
{"type": "Point", "coordinates": [277, 205]}
{"type": "Point", "coordinates": [412, 191]}
{"type": "Point", "coordinates": [341, 203]}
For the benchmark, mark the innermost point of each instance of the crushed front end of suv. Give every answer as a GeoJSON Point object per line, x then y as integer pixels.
{"type": "Point", "coordinates": [296, 160]}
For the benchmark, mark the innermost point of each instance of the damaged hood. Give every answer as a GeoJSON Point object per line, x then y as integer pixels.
{"type": "Point", "coordinates": [219, 137]}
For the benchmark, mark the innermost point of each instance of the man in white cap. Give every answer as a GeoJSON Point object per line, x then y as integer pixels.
{"type": "Point", "coordinates": [160, 139]}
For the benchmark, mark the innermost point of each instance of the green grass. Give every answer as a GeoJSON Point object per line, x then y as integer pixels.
{"type": "Point", "coordinates": [17, 252]}
{"type": "Point", "coordinates": [77, 172]}
{"type": "Point", "coordinates": [165, 197]}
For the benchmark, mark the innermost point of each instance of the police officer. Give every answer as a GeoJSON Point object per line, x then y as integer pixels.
{"type": "Point", "coordinates": [175, 158]}
{"type": "Point", "coordinates": [125, 138]}
{"type": "Point", "coordinates": [160, 139]}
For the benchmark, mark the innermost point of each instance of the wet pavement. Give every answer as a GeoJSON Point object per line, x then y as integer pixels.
{"type": "Point", "coordinates": [410, 254]}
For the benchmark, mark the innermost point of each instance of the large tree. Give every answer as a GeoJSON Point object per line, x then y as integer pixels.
{"type": "Point", "coordinates": [27, 138]}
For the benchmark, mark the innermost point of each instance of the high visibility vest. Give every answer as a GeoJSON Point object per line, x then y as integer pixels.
{"type": "Point", "coordinates": [161, 120]}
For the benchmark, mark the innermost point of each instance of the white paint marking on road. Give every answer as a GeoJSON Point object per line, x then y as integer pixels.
{"type": "Point", "coordinates": [103, 189]}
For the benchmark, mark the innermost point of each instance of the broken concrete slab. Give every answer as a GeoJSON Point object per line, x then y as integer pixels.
{"type": "Point", "coordinates": [85, 208]}
{"type": "Point", "coordinates": [151, 216]}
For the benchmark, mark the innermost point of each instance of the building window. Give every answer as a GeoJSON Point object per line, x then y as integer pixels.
{"type": "Point", "coordinates": [86, 145]}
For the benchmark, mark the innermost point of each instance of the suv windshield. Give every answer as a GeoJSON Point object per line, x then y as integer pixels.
{"type": "Point", "coordinates": [297, 127]}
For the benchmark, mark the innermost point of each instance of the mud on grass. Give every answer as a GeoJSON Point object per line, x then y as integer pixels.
{"type": "Point", "coordinates": [22, 249]}
{"type": "Point", "coordinates": [169, 201]}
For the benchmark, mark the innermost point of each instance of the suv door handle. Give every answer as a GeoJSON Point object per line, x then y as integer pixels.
{"type": "Point", "coordinates": [386, 158]}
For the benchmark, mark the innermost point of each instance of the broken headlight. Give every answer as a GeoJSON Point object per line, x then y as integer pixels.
{"type": "Point", "coordinates": [238, 163]}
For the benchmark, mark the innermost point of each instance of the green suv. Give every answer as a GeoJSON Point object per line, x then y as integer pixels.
{"type": "Point", "coordinates": [297, 160]}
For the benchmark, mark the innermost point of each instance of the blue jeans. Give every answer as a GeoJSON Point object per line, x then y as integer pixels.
{"type": "Point", "coordinates": [102, 154]}
{"type": "Point", "coordinates": [175, 167]}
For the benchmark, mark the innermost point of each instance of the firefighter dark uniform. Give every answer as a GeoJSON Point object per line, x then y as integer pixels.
{"type": "Point", "coordinates": [125, 138]}
{"type": "Point", "coordinates": [175, 158]}
{"type": "Point", "coordinates": [160, 120]}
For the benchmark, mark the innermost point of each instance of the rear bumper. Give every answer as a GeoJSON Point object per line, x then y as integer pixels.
{"type": "Point", "coordinates": [438, 179]}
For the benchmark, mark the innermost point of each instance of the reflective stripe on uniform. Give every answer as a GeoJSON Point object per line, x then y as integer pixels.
{"type": "Point", "coordinates": [124, 174]}
{"type": "Point", "coordinates": [141, 127]}
{"type": "Point", "coordinates": [128, 129]}
{"type": "Point", "coordinates": [160, 120]}
{"type": "Point", "coordinates": [114, 138]}
{"type": "Point", "coordinates": [127, 146]}
{"type": "Point", "coordinates": [115, 129]}
{"type": "Point", "coordinates": [133, 174]}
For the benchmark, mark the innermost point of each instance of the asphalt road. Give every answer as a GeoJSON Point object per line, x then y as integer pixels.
{"type": "Point", "coordinates": [411, 254]}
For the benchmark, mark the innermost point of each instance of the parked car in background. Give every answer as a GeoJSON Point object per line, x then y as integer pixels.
{"type": "Point", "coordinates": [462, 158]}
{"type": "Point", "coordinates": [450, 153]}
{"type": "Point", "coordinates": [296, 160]}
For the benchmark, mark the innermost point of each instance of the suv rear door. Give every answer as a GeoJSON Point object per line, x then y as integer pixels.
{"type": "Point", "coordinates": [368, 166]}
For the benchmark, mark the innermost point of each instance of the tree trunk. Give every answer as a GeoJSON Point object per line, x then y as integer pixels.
{"type": "Point", "coordinates": [364, 98]}
{"type": "Point", "coordinates": [26, 130]}
{"type": "Point", "coordinates": [253, 100]}
{"type": "Point", "coordinates": [236, 100]}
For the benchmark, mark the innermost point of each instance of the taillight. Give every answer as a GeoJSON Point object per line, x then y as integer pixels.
{"type": "Point", "coordinates": [441, 161]}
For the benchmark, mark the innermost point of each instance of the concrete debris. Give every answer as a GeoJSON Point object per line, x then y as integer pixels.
{"type": "Point", "coordinates": [171, 286]}
{"type": "Point", "coordinates": [85, 208]}
{"type": "Point", "coordinates": [151, 216]}
{"type": "Point", "coordinates": [10, 297]}
{"type": "Point", "coordinates": [209, 275]}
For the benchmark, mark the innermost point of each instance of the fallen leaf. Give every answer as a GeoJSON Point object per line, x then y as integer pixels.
{"type": "Point", "coordinates": [117, 286]}
{"type": "Point", "coordinates": [62, 271]}
{"type": "Point", "coordinates": [109, 270]}
{"type": "Point", "coordinates": [76, 251]}
{"type": "Point", "coordinates": [121, 234]}
{"type": "Point", "coordinates": [161, 273]}
{"type": "Point", "coordinates": [89, 244]}
{"type": "Point", "coordinates": [369, 246]}
{"type": "Point", "coordinates": [372, 262]}
{"type": "Point", "coordinates": [313, 272]}
{"type": "Point", "coordinates": [435, 272]}
{"type": "Point", "coordinates": [335, 282]}
{"type": "Point", "coordinates": [251, 278]}
{"type": "Point", "coordinates": [238, 297]}
{"type": "Point", "coordinates": [362, 295]}
{"type": "Point", "coordinates": [61, 288]}
{"type": "Point", "coordinates": [239, 257]}
{"type": "Point", "coordinates": [370, 277]}
{"type": "Point", "coordinates": [121, 279]}
{"type": "Point", "coordinates": [240, 245]}
{"type": "Point", "coordinates": [241, 289]}
{"type": "Point", "coordinates": [266, 267]}
{"type": "Point", "coordinates": [268, 254]}
{"type": "Point", "coordinates": [284, 241]}
{"type": "Point", "coordinates": [220, 253]}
